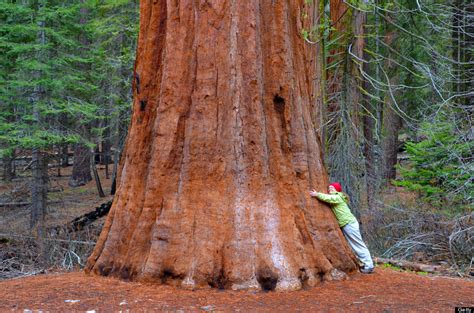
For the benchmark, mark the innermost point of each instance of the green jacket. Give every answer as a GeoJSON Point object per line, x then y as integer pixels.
{"type": "Point", "coordinates": [338, 202]}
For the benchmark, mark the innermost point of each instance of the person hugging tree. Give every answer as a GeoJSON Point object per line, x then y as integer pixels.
{"type": "Point", "coordinates": [348, 223]}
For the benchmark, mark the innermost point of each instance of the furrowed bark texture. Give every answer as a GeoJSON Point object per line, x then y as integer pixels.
{"type": "Point", "coordinates": [221, 154]}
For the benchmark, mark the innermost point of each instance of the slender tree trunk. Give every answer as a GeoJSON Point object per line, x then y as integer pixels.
{"type": "Point", "coordinates": [369, 116]}
{"type": "Point", "coordinates": [469, 57]}
{"type": "Point", "coordinates": [119, 147]}
{"type": "Point", "coordinates": [39, 190]}
{"type": "Point", "coordinates": [81, 171]}
{"type": "Point", "coordinates": [39, 183]}
{"type": "Point", "coordinates": [8, 172]}
{"type": "Point", "coordinates": [391, 120]}
{"type": "Point", "coordinates": [340, 17]}
{"type": "Point", "coordinates": [105, 154]}
{"type": "Point", "coordinates": [8, 159]}
{"type": "Point", "coordinates": [64, 150]}
{"type": "Point", "coordinates": [363, 188]}
{"type": "Point", "coordinates": [107, 161]}
{"type": "Point", "coordinates": [113, 187]}
{"type": "Point", "coordinates": [96, 176]}
{"type": "Point", "coordinates": [97, 155]}
{"type": "Point", "coordinates": [457, 44]}
{"type": "Point", "coordinates": [462, 34]}
{"type": "Point", "coordinates": [369, 154]}
{"type": "Point", "coordinates": [371, 124]}
{"type": "Point", "coordinates": [355, 94]}
{"type": "Point", "coordinates": [118, 163]}
{"type": "Point", "coordinates": [221, 154]}
{"type": "Point", "coordinates": [58, 160]}
{"type": "Point", "coordinates": [392, 124]}
{"type": "Point", "coordinates": [39, 198]}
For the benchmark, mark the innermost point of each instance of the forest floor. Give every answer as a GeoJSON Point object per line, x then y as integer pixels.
{"type": "Point", "coordinates": [386, 290]}
{"type": "Point", "coordinates": [67, 202]}
{"type": "Point", "coordinates": [19, 249]}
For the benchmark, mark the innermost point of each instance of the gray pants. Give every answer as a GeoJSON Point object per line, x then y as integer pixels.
{"type": "Point", "coordinates": [352, 233]}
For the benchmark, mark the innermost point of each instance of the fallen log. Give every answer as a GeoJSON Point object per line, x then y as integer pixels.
{"type": "Point", "coordinates": [14, 204]}
{"type": "Point", "coordinates": [56, 190]}
{"type": "Point", "coordinates": [412, 266]}
{"type": "Point", "coordinates": [80, 222]}
{"type": "Point", "coordinates": [88, 218]}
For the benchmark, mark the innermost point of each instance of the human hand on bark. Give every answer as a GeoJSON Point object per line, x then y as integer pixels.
{"type": "Point", "coordinates": [313, 193]}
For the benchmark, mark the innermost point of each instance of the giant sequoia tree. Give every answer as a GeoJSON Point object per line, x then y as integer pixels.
{"type": "Point", "coordinates": [221, 154]}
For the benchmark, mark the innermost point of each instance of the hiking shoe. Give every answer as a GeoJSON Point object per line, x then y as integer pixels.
{"type": "Point", "coordinates": [367, 270]}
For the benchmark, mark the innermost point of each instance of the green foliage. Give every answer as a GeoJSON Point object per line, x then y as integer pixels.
{"type": "Point", "coordinates": [440, 164]}
{"type": "Point", "coordinates": [65, 69]}
{"type": "Point", "coordinates": [39, 45]}
{"type": "Point", "coordinates": [318, 32]}
{"type": "Point", "coordinates": [392, 267]}
{"type": "Point", "coordinates": [399, 269]}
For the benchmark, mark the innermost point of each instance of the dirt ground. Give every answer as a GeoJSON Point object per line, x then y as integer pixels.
{"type": "Point", "coordinates": [384, 291]}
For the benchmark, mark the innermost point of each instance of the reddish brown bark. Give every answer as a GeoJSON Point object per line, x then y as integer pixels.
{"type": "Point", "coordinates": [338, 11]}
{"type": "Point", "coordinates": [221, 154]}
{"type": "Point", "coordinates": [357, 48]}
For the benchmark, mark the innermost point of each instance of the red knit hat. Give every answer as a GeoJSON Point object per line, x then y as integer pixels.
{"type": "Point", "coordinates": [336, 186]}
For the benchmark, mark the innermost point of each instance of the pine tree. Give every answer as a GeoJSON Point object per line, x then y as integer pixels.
{"type": "Point", "coordinates": [40, 83]}
{"type": "Point", "coordinates": [114, 29]}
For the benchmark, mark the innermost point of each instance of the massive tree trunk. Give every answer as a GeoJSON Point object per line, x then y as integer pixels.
{"type": "Point", "coordinates": [221, 154]}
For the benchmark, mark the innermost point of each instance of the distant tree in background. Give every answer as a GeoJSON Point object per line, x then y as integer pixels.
{"type": "Point", "coordinates": [115, 27]}
{"type": "Point", "coordinates": [37, 53]}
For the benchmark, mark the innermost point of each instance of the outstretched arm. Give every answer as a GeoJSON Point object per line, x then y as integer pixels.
{"type": "Point", "coordinates": [332, 199]}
